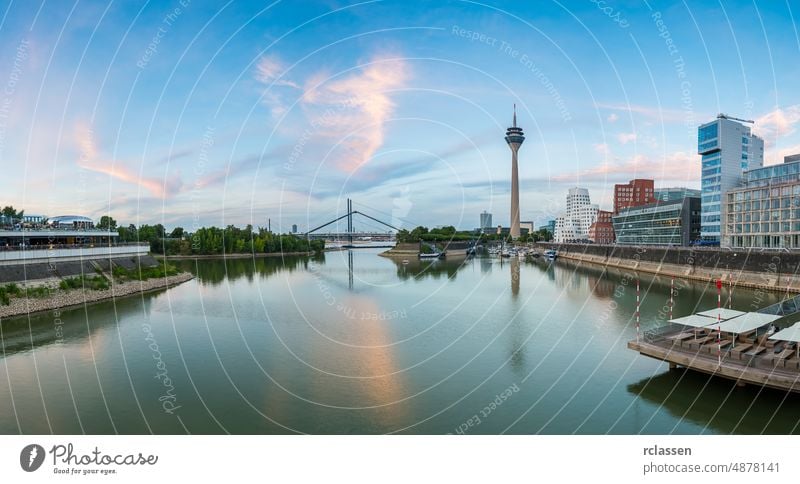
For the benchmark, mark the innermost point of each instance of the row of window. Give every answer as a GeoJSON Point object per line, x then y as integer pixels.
{"type": "Point", "coordinates": [763, 227]}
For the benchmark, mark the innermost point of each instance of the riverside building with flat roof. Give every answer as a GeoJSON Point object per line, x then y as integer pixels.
{"type": "Point", "coordinates": [675, 223]}
{"type": "Point", "coordinates": [764, 211]}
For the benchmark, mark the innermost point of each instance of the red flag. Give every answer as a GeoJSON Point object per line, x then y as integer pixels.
{"type": "Point", "coordinates": [719, 283]}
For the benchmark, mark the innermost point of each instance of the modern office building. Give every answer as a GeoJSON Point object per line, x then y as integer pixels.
{"type": "Point", "coordinates": [294, 228]}
{"type": "Point", "coordinates": [523, 225]}
{"type": "Point", "coordinates": [632, 194]}
{"type": "Point", "coordinates": [675, 193]}
{"type": "Point", "coordinates": [574, 225]}
{"type": "Point", "coordinates": [486, 221]}
{"type": "Point", "coordinates": [765, 210]}
{"type": "Point", "coordinates": [728, 148]}
{"type": "Point", "coordinates": [602, 230]}
{"type": "Point", "coordinates": [675, 223]}
{"type": "Point", "coordinates": [514, 137]}
{"type": "Point", "coordinates": [550, 226]}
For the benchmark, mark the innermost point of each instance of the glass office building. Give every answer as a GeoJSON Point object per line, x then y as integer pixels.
{"type": "Point", "coordinates": [727, 148]}
{"type": "Point", "coordinates": [765, 210]}
{"type": "Point", "coordinates": [675, 223]}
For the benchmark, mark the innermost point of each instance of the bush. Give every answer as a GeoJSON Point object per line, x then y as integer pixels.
{"type": "Point", "coordinates": [144, 273]}
{"type": "Point", "coordinates": [79, 282]}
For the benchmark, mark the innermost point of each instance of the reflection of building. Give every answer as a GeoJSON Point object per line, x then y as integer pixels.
{"type": "Point", "coordinates": [486, 221]}
{"type": "Point", "coordinates": [765, 210]}
{"type": "Point", "coordinates": [727, 148]}
{"type": "Point", "coordinates": [661, 223]}
{"type": "Point", "coordinates": [602, 231]}
{"type": "Point", "coordinates": [581, 214]}
{"type": "Point", "coordinates": [675, 193]}
{"type": "Point", "coordinates": [514, 138]}
{"type": "Point", "coordinates": [515, 276]}
{"type": "Point", "coordinates": [633, 194]}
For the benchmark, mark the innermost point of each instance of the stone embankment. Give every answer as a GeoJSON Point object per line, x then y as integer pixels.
{"type": "Point", "coordinates": [60, 299]}
{"type": "Point", "coordinates": [774, 270]}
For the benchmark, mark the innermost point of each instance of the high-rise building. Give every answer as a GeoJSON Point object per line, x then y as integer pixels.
{"type": "Point", "coordinates": [574, 225]}
{"type": "Point", "coordinates": [633, 194]}
{"type": "Point", "coordinates": [294, 228]}
{"type": "Point", "coordinates": [675, 193]}
{"type": "Point", "coordinates": [602, 230]}
{"type": "Point", "coordinates": [728, 148]}
{"type": "Point", "coordinates": [514, 138]}
{"type": "Point", "coordinates": [486, 221]}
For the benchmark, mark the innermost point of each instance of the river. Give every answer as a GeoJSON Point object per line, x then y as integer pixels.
{"type": "Point", "coordinates": [352, 343]}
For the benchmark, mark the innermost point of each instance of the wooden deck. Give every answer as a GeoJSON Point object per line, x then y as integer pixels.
{"type": "Point", "coordinates": [780, 371]}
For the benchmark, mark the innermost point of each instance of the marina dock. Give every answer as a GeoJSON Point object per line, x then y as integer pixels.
{"type": "Point", "coordinates": [741, 346]}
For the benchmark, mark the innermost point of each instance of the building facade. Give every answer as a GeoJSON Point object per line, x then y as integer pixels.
{"type": "Point", "coordinates": [486, 221]}
{"type": "Point", "coordinates": [765, 210]}
{"type": "Point", "coordinates": [550, 226]}
{"type": "Point", "coordinates": [675, 193]}
{"type": "Point", "coordinates": [574, 225]}
{"type": "Point", "coordinates": [675, 223]}
{"type": "Point", "coordinates": [727, 149]}
{"type": "Point", "coordinates": [602, 231]}
{"type": "Point", "coordinates": [633, 194]}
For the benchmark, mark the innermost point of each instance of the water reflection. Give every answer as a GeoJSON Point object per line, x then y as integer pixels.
{"type": "Point", "coordinates": [412, 268]}
{"type": "Point", "coordinates": [53, 327]}
{"type": "Point", "coordinates": [693, 397]}
{"type": "Point", "coordinates": [214, 271]}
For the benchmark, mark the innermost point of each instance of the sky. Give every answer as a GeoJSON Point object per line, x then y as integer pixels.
{"type": "Point", "coordinates": [193, 114]}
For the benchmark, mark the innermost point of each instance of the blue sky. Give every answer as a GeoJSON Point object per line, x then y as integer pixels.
{"type": "Point", "coordinates": [236, 113]}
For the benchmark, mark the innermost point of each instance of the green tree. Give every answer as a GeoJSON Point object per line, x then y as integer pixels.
{"type": "Point", "coordinates": [107, 223]}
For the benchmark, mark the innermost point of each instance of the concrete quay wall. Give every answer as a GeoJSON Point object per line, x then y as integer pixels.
{"type": "Point", "coordinates": [764, 269]}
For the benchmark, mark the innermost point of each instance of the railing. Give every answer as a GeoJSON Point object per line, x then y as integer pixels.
{"type": "Point", "coordinates": [9, 248]}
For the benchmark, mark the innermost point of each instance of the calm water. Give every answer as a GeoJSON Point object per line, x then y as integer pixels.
{"type": "Point", "coordinates": [357, 343]}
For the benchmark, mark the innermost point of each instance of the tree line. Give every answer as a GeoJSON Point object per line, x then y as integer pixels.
{"type": "Point", "coordinates": [450, 233]}
{"type": "Point", "coordinates": [215, 240]}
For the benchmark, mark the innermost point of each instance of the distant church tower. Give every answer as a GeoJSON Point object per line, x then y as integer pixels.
{"type": "Point", "coordinates": [514, 138]}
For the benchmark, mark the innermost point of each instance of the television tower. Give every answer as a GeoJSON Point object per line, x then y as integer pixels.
{"type": "Point", "coordinates": [514, 138]}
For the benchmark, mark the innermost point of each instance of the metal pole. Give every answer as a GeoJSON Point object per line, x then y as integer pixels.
{"type": "Point", "coordinates": [671, 292]}
{"type": "Point", "coordinates": [637, 310]}
{"type": "Point", "coordinates": [730, 290]}
{"type": "Point", "coordinates": [719, 322]}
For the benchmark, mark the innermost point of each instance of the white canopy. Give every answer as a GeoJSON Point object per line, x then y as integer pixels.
{"type": "Point", "coordinates": [791, 333]}
{"type": "Point", "coordinates": [694, 320]}
{"type": "Point", "coordinates": [724, 313]}
{"type": "Point", "coordinates": [747, 322]}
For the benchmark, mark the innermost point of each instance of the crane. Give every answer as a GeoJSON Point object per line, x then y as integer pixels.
{"type": "Point", "coordinates": [725, 116]}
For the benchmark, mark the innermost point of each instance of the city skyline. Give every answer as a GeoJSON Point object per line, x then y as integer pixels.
{"type": "Point", "coordinates": [283, 113]}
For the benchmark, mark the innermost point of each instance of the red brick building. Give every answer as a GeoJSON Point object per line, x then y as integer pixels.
{"type": "Point", "coordinates": [602, 231]}
{"type": "Point", "coordinates": [633, 194]}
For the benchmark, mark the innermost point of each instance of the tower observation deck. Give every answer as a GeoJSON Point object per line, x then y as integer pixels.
{"type": "Point", "coordinates": [514, 137]}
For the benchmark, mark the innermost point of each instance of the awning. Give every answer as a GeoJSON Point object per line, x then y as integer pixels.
{"type": "Point", "coordinates": [695, 321]}
{"type": "Point", "coordinates": [724, 313]}
{"type": "Point", "coordinates": [791, 333]}
{"type": "Point", "coordinates": [747, 322]}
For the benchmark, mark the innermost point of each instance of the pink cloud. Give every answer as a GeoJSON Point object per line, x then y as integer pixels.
{"type": "Point", "coordinates": [348, 111]}
{"type": "Point", "coordinates": [626, 138]}
{"type": "Point", "coordinates": [89, 159]}
{"type": "Point", "coordinates": [677, 167]}
{"type": "Point", "coordinates": [353, 110]}
{"type": "Point", "coordinates": [777, 123]}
